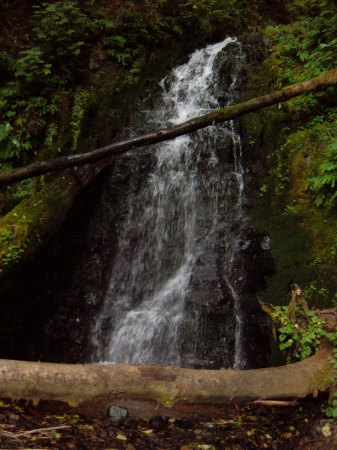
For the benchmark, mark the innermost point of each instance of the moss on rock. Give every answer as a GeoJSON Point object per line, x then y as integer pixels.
{"type": "Point", "coordinates": [283, 154]}
{"type": "Point", "coordinates": [33, 222]}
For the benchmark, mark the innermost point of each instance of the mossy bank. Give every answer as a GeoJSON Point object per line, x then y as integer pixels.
{"type": "Point", "coordinates": [290, 152]}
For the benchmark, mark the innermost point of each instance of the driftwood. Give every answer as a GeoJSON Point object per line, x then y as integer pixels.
{"type": "Point", "coordinates": [218, 116]}
{"type": "Point", "coordinates": [147, 391]}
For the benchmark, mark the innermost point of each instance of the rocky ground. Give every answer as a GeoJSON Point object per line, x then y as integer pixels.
{"type": "Point", "coordinates": [23, 426]}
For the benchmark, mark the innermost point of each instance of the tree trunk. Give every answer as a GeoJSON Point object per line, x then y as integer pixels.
{"type": "Point", "coordinates": [147, 391]}
{"type": "Point", "coordinates": [218, 116]}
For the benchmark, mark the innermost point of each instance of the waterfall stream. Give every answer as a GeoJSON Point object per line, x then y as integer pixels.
{"type": "Point", "coordinates": [173, 222]}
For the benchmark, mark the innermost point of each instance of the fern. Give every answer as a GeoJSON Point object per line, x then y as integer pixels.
{"type": "Point", "coordinates": [324, 185]}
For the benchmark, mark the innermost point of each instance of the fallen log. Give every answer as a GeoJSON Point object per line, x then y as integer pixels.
{"type": "Point", "coordinates": [212, 118]}
{"type": "Point", "coordinates": [147, 391]}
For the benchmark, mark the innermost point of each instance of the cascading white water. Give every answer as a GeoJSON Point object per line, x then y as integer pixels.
{"type": "Point", "coordinates": [142, 317]}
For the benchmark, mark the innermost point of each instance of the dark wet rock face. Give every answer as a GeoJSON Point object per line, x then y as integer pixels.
{"type": "Point", "coordinates": [63, 293]}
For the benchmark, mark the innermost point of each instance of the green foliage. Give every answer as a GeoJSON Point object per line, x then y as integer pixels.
{"type": "Point", "coordinates": [61, 37]}
{"type": "Point", "coordinates": [139, 30]}
{"type": "Point", "coordinates": [263, 190]}
{"type": "Point", "coordinates": [301, 340]}
{"type": "Point", "coordinates": [22, 118]}
{"type": "Point", "coordinates": [333, 248]}
{"type": "Point", "coordinates": [330, 410]}
{"type": "Point", "coordinates": [10, 147]}
{"type": "Point", "coordinates": [11, 251]}
{"type": "Point", "coordinates": [51, 133]}
{"type": "Point", "coordinates": [305, 48]}
{"type": "Point", "coordinates": [60, 28]}
{"type": "Point", "coordinates": [280, 172]}
{"type": "Point", "coordinates": [325, 184]}
{"type": "Point", "coordinates": [24, 189]}
{"type": "Point", "coordinates": [80, 103]}
{"type": "Point", "coordinates": [30, 65]}
{"type": "Point", "coordinates": [308, 46]}
{"type": "Point", "coordinates": [204, 15]}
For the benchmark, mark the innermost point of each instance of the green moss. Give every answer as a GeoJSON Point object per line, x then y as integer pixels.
{"type": "Point", "coordinates": [302, 235]}
{"type": "Point", "coordinates": [30, 224]}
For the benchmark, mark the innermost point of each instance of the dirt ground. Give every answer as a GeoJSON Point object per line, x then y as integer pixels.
{"type": "Point", "coordinates": [24, 426]}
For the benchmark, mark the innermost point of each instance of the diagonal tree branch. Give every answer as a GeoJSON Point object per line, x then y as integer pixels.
{"type": "Point", "coordinates": [212, 118]}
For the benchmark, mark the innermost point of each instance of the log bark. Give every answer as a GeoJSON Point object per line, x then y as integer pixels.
{"type": "Point", "coordinates": [218, 116]}
{"type": "Point", "coordinates": [148, 391]}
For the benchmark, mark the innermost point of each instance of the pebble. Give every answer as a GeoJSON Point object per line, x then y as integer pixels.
{"type": "Point", "coordinates": [287, 435]}
{"type": "Point", "coordinates": [117, 414]}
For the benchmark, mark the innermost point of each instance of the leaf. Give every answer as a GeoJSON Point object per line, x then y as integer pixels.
{"type": "Point", "coordinates": [178, 30]}
{"type": "Point", "coordinates": [121, 437]}
{"type": "Point", "coordinates": [4, 405]}
{"type": "Point", "coordinates": [326, 430]}
{"type": "Point", "coordinates": [286, 344]}
{"type": "Point", "coordinates": [59, 417]}
{"type": "Point", "coordinates": [55, 435]}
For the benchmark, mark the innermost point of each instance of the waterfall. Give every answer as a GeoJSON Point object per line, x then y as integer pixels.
{"type": "Point", "coordinates": [173, 222]}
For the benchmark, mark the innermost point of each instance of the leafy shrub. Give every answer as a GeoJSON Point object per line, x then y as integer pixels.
{"type": "Point", "coordinates": [331, 410]}
{"type": "Point", "coordinates": [80, 103]}
{"type": "Point", "coordinates": [301, 340]}
{"type": "Point", "coordinates": [10, 147]}
{"type": "Point", "coordinates": [308, 46]}
{"type": "Point", "coordinates": [325, 184]}
{"type": "Point", "coordinates": [60, 28]}
{"type": "Point", "coordinates": [11, 251]}
{"type": "Point", "coordinates": [304, 340]}
{"type": "Point", "coordinates": [30, 66]}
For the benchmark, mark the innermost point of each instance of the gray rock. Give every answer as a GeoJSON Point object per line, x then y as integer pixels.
{"type": "Point", "coordinates": [117, 414]}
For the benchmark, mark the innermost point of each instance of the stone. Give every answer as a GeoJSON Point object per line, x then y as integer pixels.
{"type": "Point", "coordinates": [117, 414]}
